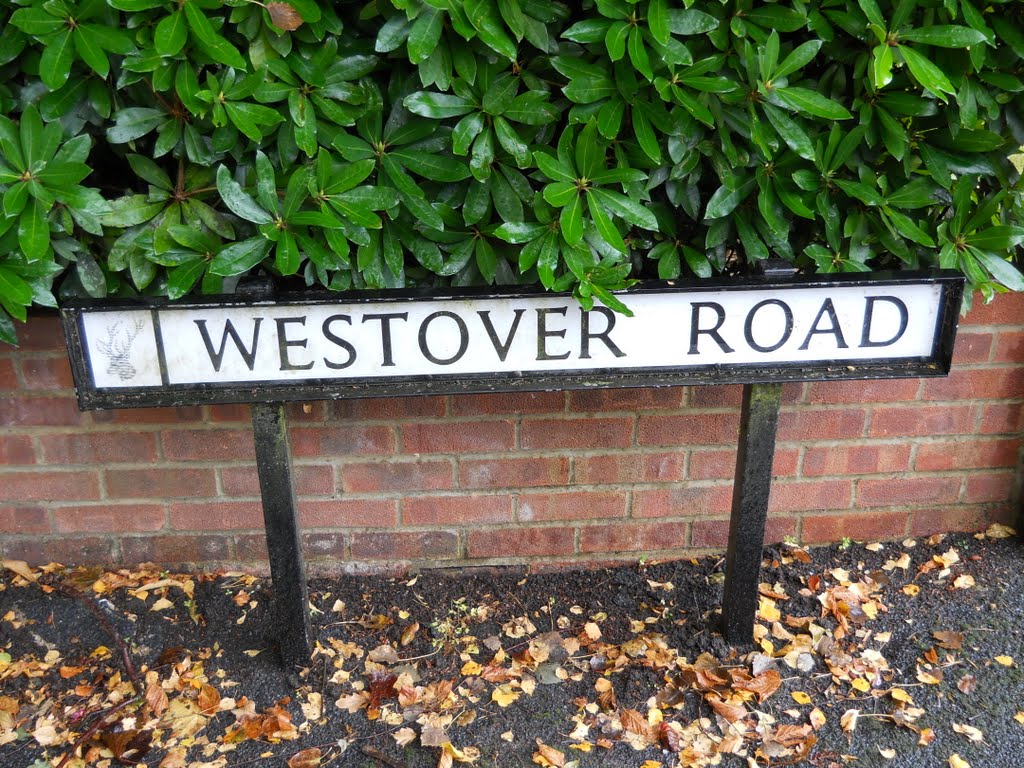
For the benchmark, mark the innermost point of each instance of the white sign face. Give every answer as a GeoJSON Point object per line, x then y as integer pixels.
{"type": "Point", "coordinates": [182, 346]}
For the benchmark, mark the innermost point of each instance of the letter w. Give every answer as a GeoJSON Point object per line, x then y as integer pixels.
{"type": "Point", "coordinates": [217, 357]}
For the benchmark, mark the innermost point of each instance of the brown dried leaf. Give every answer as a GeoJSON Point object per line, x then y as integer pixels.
{"type": "Point", "coordinates": [284, 16]}
{"type": "Point", "coordinates": [951, 640]}
{"type": "Point", "coordinates": [764, 684]}
{"type": "Point", "coordinates": [409, 633]}
{"type": "Point", "coordinates": [307, 758]}
{"type": "Point", "coordinates": [634, 722]}
{"type": "Point", "coordinates": [731, 712]}
{"type": "Point", "coordinates": [156, 697]}
{"type": "Point", "coordinates": [967, 683]}
{"type": "Point", "coordinates": [127, 746]}
{"type": "Point", "coordinates": [548, 757]}
{"type": "Point", "coordinates": [209, 700]}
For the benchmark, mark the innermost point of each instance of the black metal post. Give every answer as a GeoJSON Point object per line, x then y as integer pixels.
{"type": "Point", "coordinates": [758, 422]}
{"type": "Point", "coordinates": [287, 568]}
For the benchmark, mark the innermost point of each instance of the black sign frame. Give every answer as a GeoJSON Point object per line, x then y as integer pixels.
{"type": "Point", "coordinates": [92, 397]}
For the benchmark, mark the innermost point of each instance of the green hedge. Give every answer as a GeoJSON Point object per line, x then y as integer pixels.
{"type": "Point", "coordinates": [165, 147]}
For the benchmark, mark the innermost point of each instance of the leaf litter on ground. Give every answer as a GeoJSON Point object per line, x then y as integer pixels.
{"type": "Point", "coordinates": [614, 667]}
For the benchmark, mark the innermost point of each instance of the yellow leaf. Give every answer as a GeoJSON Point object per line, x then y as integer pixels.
{"type": "Point", "coordinates": [593, 631]}
{"type": "Point", "coordinates": [911, 589]}
{"type": "Point", "coordinates": [817, 718]}
{"type": "Point", "coordinates": [900, 695]}
{"type": "Point", "coordinates": [1006, 661]}
{"type": "Point", "coordinates": [963, 581]}
{"type": "Point", "coordinates": [972, 733]}
{"type": "Point", "coordinates": [161, 605]}
{"type": "Point", "coordinates": [926, 737]}
{"type": "Point", "coordinates": [767, 610]}
{"type": "Point", "coordinates": [955, 761]}
{"type": "Point", "coordinates": [21, 568]}
{"type": "Point", "coordinates": [800, 697]}
{"type": "Point", "coordinates": [860, 684]}
{"type": "Point", "coordinates": [404, 736]}
{"type": "Point", "coordinates": [583, 746]}
{"type": "Point", "coordinates": [471, 668]}
{"type": "Point", "coordinates": [650, 764]}
{"type": "Point", "coordinates": [1000, 531]}
{"type": "Point", "coordinates": [252, 653]}
{"type": "Point", "coordinates": [1019, 717]}
{"type": "Point", "coordinates": [888, 754]}
{"type": "Point", "coordinates": [508, 736]}
{"type": "Point", "coordinates": [548, 757]}
{"type": "Point", "coordinates": [504, 695]}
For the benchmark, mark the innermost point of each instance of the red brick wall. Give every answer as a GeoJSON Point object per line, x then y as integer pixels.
{"type": "Point", "coordinates": [580, 476]}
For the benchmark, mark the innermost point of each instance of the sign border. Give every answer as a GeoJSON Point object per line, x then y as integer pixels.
{"type": "Point", "coordinates": [91, 397]}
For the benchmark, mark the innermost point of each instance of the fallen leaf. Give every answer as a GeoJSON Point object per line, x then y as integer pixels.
{"type": "Point", "coordinates": [1006, 661]}
{"type": "Point", "coordinates": [800, 697]}
{"type": "Point", "coordinates": [874, 547]}
{"type": "Point", "coordinates": [307, 758]}
{"type": "Point", "coordinates": [21, 568]}
{"type": "Point", "coordinates": [972, 733]}
{"type": "Point", "coordinates": [404, 736]}
{"type": "Point", "coordinates": [955, 761]}
{"type": "Point", "coordinates": [504, 695]}
{"type": "Point", "coordinates": [409, 633]}
{"type": "Point", "coordinates": [508, 736]}
{"type": "Point", "coordinates": [911, 589]}
{"type": "Point", "coordinates": [161, 605]}
{"type": "Point", "coordinates": [548, 757]}
{"type": "Point", "coordinates": [817, 718]}
{"type": "Point", "coordinates": [888, 754]}
{"type": "Point", "coordinates": [951, 640]}
{"type": "Point", "coordinates": [967, 683]}
{"type": "Point", "coordinates": [1019, 717]}
{"type": "Point", "coordinates": [926, 737]}
{"type": "Point", "coordinates": [963, 581]}
{"type": "Point", "coordinates": [999, 531]}
{"type": "Point", "coordinates": [849, 720]}
{"type": "Point", "coordinates": [899, 694]}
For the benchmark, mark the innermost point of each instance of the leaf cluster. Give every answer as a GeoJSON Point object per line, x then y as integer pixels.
{"type": "Point", "coordinates": [165, 147]}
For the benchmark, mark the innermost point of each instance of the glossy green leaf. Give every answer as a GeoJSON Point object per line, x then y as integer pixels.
{"type": "Point", "coordinates": [239, 258]}
{"type": "Point", "coordinates": [239, 201]}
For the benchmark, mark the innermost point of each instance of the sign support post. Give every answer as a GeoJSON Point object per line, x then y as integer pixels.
{"type": "Point", "coordinates": [751, 490]}
{"type": "Point", "coordinates": [287, 566]}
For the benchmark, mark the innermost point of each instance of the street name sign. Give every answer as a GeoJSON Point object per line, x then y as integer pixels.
{"type": "Point", "coordinates": [359, 344]}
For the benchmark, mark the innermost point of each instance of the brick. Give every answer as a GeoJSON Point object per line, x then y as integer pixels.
{"type": "Point", "coordinates": [972, 348]}
{"type": "Point", "coordinates": [907, 491]}
{"type": "Point", "coordinates": [251, 550]}
{"type": "Point", "coordinates": [967, 454]}
{"type": "Point", "coordinates": [714, 534]}
{"type": "Point", "coordinates": [716, 396]}
{"type": "Point", "coordinates": [531, 541]}
{"type": "Point", "coordinates": [721, 465]}
{"type": "Point", "coordinates": [348, 513]}
{"type": "Point", "coordinates": [49, 486]}
{"type": "Point", "coordinates": [704, 429]}
{"type": "Point", "coordinates": [23, 518]}
{"type": "Point", "coordinates": [98, 447]}
{"type": "Point", "coordinates": [306, 413]}
{"type": "Point", "coordinates": [404, 545]}
{"type": "Point", "coordinates": [923, 420]}
{"type": "Point", "coordinates": [41, 373]}
{"type": "Point", "coordinates": [1009, 347]}
{"type": "Point", "coordinates": [175, 550]}
{"type": "Point", "coordinates": [341, 440]}
{"type": "Point", "coordinates": [633, 537]}
{"type": "Point", "coordinates": [1005, 309]}
{"type": "Point", "coordinates": [172, 482]}
{"type": "Point", "coordinates": [42, 333]}
{"type": "Point", "coordinates": [309, 479]}
{"type": "Point", "coordinates": [924, 522]}
{"type": "Point", "coordinates": [324, 545]}
{"type": "Point", "coordinates": [396, 477]}
{"type": "Point", "coordinates": [16, 449]}
{"type": "Point", "coordinates": [34, 411]}
{"type": "Point", "coordinates": [8, 380]}
{"type": "Point", "coordinates": [69, 550]}
{"type": "Point", "coordinates": [800, 496]}
{"type": "Point", "coordinates": [508, 403]}
{"type": "Point", "coordinates": [820, 529]}
{"type": "Point", "coordinates": [216, 516]}
{"type": "Point", "coordinates": [208, 445]}
{"type": "Point", "coordinates": [109, 518]}
{"type": "Point", "coordinates": [458, 437]}
{"type": "Point", "coordinates": [821, 424]}
{"type": "Point", "coordinates": [147, 416]}
{"type": "Point", "coordinates": [390, 408]}
{"type": "Point", "coordinates": [230, 412]}
{"type": "Point", "coordinates": [977, 384]}
{"type": "Point", "coordinates": [632, 400]}
{"type": "Point", "coordinates": [990, 488]}
{"type": "Point", "coordinates": [626, 468]}
{"type": "Point", "coordinates": [856, 459]}
{"type": "Point", "coordinates": [574, 505]}
{"type": "Point", "coordinates": [514, 473]}
{"type": "Point", "coordinates": [457, 510]}
{"type": "Point", "coordinates": [576, 433]}
{"type": "Point", "coordinates": [1002, 418]}
{"type": "Point", "coordinates": [869, 391]}
{"type": "Point", "coordinates": [686, 501]}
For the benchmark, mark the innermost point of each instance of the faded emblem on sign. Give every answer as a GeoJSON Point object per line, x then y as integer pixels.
{"type": "Point", "coordinates": [117, 347]}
